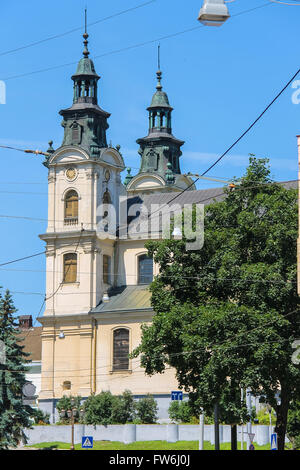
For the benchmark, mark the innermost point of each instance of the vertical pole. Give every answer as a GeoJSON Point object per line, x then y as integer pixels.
{"type": "Point", "coordinates": [217, 434]}
{"type": "Point", "coordinates": [242, 429]}
{"type": "Point", "coordinates": [72, 432]}
{"type": "Point", "coordinates": [249, 424]}
{"type": "Point", "coordinates": [201, 428]}
{"type": "Point", "coordinates": [298, 241]}
{"type": "Point", "coordinates": [233, 437]}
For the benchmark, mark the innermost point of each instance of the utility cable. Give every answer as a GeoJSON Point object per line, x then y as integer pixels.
{"type": "Point", "coordinates": [60, 35]}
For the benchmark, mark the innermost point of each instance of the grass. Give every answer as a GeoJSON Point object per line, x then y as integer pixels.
{"type": "Point", "coordinates": [143, 445]}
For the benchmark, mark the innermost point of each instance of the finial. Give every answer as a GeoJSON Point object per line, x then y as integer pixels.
{"type": "Point", "coordinates": [85, 36]}
{"type": "Point", "coordinates": [158, 73]}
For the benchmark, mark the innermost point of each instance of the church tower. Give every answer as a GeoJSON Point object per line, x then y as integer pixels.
{"type": "Point", "coordinates": [160, 151]}
{"type": "Point", "coordinates": [83, 178]}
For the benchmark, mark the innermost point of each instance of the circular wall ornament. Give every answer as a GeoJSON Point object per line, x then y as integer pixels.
{"type": "Point", "coordinates": [71, 173]}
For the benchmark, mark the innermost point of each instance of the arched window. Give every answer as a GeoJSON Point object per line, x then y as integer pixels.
{"type": "Point", "coordinates": [145, 269]}
{"type": "Point", "coordinates": [121, 349]}
{"type": "Point", "coordinates": [70, 267]}
{"type": "Point", "coordinates": [71, 208]}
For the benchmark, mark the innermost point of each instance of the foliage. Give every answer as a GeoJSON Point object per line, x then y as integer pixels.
{"type": "Point", "coordinates": [14, 415]}
{"type": "Point", "coordinates": [293, 425]}
{"type": "Point", "coordinates": [67, 403]}
{"type": "Point", "coordinates": [106, 408]}
{"type": "Point", "coordinates": [180, 411]}
{"type": "Point", "coordinates": [233, 304]}
{"type": "Point", "coordinates": [98, 408]}
{"type": "Point", "coordinates": [263, 417]}
{"type": "Point", "coordinates": [40, 417]}
{"type": "Point", "coordinates": [123, 409]}
{"type": "Point", "coordinates": [146, 409]}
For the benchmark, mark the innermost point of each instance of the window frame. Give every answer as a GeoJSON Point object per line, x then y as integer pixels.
{"type": "Point", "coordinates": [73, 218]}
{"type": "Point", "coordinates": [128, 364]}
{"type": "Point", "coordinates": [75, 257]}
{"type": "Point", "coordinates": [143, 255]}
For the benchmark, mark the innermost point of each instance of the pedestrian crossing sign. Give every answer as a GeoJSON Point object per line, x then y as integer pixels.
{"type": "Point", "coordinates": [87, 442]}
{"type": "Point", "coordinates": [274, 441]}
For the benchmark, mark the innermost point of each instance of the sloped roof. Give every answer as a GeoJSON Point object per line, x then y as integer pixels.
{"type": "Point", "coordinates": [32, 341]}
{"type": "Point", "coordinates": [126, 298]}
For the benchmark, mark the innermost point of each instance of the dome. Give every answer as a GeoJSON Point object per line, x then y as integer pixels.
{"type": "Point", "coordinates": [160, 99]}
{"type": "Point", "coordinates": [85, 67]}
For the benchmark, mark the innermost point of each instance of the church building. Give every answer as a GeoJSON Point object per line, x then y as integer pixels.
{"type": "Point", "coordinates": [97, 282]}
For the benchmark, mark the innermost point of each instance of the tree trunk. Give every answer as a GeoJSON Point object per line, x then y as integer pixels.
{"type": "Point", "coordinates": [281, 421]}
{"type": "Point", "coordinates": [233, 437]}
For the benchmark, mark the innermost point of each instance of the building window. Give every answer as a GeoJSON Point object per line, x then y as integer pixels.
{"type": "Point", "coordinates": [145, 269]}
{"type": "Point", "coordinates": [71, 208]}
{"type": "Point", "coordinates": [70, 267]}
{"type": "Point", "coordinates": [106, 269]}
{"type": "Point", "coordinates": [121, 349]}
{"type": "Point", "coordinates": [66, 385]}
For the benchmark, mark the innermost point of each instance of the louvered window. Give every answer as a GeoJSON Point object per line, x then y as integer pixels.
{"type": "Point", "coordinates": [70, 267]}
{"type": "Point", "coordinates": [71, 207]}
{"type": "Point", "coordinates": [145, 269]}
{"type": "Point", "coordinates": [121, 349]}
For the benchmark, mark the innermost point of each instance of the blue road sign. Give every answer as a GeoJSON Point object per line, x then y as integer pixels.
{"type": "Point", "coordinates": [87, 442]}
{"type": "Point", "coordinates": [176, 395]}
{"type": "Point", "coordinates": [251, 447]}
{"type": "Point", "coordinates": [274, 442]}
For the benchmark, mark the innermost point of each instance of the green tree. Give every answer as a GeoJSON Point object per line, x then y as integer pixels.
{"type": "Point", "coordinates": [226, 315]}
{"type": "Point", "coordinates": [14, 415]}
{"type": "Point", "coordinates": [180, 411]}
{"type": "Point", "coordinates": [98, 408]}
{"type": "Point", "coordinates": [147, 409]}
{"type": "Point", "coordinates": [124, 408]}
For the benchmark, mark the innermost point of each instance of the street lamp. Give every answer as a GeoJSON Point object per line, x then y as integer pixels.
{"type": "Point", "coordinates": [213, 13]}
{"type": "Point", "coordinates": [72, 413]}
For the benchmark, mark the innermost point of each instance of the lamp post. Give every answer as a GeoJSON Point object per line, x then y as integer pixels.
{"type": "Point", "coordinates": [72, 413]}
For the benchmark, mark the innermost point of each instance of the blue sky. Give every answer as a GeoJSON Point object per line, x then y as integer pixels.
{"type": "Point", "coordinates": [218, 81]}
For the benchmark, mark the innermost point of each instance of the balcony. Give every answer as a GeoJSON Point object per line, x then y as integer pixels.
{"type": "Point", "coordinates": [71, 221]}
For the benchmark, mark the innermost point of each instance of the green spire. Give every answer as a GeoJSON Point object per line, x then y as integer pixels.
{"type": "Point", "coordinates": [128, 177]}
{"type": "Point", "coordinates": [160, 150]}
{"type": "Point", "coordinates": [85, 123]}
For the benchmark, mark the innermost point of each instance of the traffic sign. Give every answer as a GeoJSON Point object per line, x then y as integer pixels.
{"type": "Point", "coordinates": [274, 441]}
{"type": "Point", "coordinates": [176, 395]}
{"type": "Point", "coordinates": [251, 436]}
{"type": "Point", "coordinates": [87, 442]}
{"type": "Point", "coordinates": [251, 447]}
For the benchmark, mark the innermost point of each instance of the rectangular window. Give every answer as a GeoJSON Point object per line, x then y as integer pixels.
{"type": "Point", "coordinates": [70, 267]}
{"type": "Point", "coordinates": [121, 349]}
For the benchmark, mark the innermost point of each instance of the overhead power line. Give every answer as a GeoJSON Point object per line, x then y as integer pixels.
{"type": "Point", "coordinates": [60, 35]}
{"type": "Point", "coordinates": [134, 46]}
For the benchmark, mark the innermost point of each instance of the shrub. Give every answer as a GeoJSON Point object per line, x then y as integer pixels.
{"type": "Point", "coordinates": [147, 410]}
{"type": "Point", "coordinates": [98, 408]}
{"type": "Point", "coordinates": [40, 417]}
{"type": "Point", "coordinates": [263, 417]}
{"type": "Point", "coordinates": [123, 408]}
{"type": "Point", "coordinates": [65, 404]}
{"type": "Point", "coordinates": [180, 411]}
